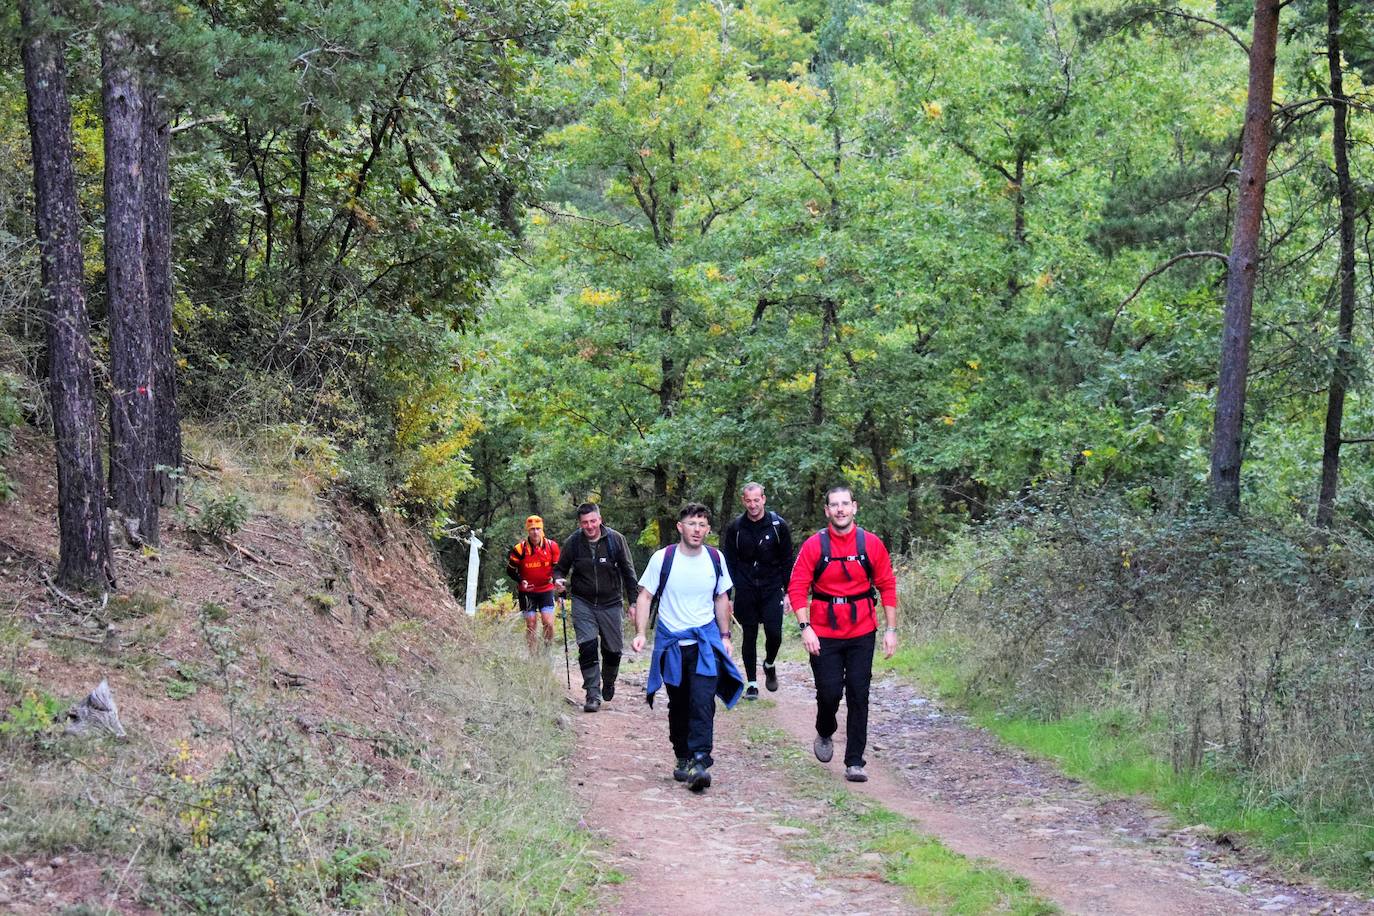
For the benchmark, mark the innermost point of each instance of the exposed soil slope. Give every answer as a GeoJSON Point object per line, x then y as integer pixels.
{"type": "Point", "coordinates": [320, 604]}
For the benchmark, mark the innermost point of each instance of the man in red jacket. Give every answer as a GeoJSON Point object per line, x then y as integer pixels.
{"type": "Point", "coordinates": [530, 567]}
{"type": "Point", "coordinates": [841, 574]}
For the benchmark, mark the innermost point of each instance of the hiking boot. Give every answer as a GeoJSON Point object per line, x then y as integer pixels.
{"type": "Point", "coordinates": [608, 691]}
{"type": "Point", "coordinates": [698, 776]}
{"type": "Point", "coordinates": [770, 678]}
{"type": "Point", "coordinates": [855, 774]}
{"type": "Point", "coordinates": [680, 769]}
{"type": "Point", "coordinates": [823, 748]}
{"type": "Point", "coordinates": [593, 703]}
{"type": "Point", "coordinates": [751, 692]}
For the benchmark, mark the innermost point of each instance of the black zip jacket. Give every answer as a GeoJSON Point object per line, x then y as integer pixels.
{"type": "Point", "coordinates": [759, 554]}
{"type": "Point", "coordinates": [598, 573]}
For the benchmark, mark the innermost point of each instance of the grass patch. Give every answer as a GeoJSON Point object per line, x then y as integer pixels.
{"type": "Point", "coordinates": [853, 829]}
{"type": "Point", "coordinates": [460, 805]}
{"type": "Point", "coordinates": [1119, 752]}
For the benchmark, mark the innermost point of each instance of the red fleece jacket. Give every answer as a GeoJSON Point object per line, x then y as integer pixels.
{"type": "Point", "coordinates": [843, 578]}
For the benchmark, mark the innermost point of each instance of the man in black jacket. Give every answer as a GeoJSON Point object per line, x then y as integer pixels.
{"type": "Point", "coordinates": [758, 549]}
{"type": "Point", "coordinates": [596, 568]}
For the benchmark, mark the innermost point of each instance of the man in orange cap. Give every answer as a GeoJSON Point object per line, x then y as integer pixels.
{"type": "Point", "coordinates": [530, 567]}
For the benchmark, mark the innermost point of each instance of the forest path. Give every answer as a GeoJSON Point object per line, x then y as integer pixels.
{"type": "Point", "coordinates": [722, 850]}
{"type": "Point", "coordinates": [1087, 853]}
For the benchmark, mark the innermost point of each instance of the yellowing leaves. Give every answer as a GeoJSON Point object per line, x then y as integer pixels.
{"type": "Point", "coordinates": [932, 109]}
{"type": "Point", "coordinates": [1044, 281]}
{"type": "Point", "coordinates": [598, 298]}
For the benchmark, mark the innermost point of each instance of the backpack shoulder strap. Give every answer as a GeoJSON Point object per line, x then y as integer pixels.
{"type": "Point", "coordinates": [824, 561]}
{"type": "Point", "coordinates": [715, 561]}
{"type": "Point", "coordinates": [861, 548]}
{"type": "Point", "coordinates": [664, 570]}
{"type": "Point", "coordinates": [775, 518]}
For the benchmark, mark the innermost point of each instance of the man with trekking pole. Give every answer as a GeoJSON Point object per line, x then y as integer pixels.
{"type": "Point", "coordinates": [596, 569]}
{"type": "Point", "coordinates": [841, 574]}
{"type": "Point", "coordinates": [691, 659]}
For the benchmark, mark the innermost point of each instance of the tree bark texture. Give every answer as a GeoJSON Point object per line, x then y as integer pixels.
{"type": "Point", "coordinates": [1345, 322]}
{"type": "Point", "coordinates": [131, 363]}
{"type": "Point", "coordinates": [157, 259]}
{"type": "Point", "coordinates": [84, 555]}
{"type": "Point", "coordinates": [1242, 266]}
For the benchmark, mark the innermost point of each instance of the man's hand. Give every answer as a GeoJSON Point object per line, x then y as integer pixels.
{"type": "Point", "coordinates": [560, 584]}
{"type": "Point", "coordinates": [810, 641]}
{"type": "Point", "coordinates": [637, 644]}
{"type": "Point", "coordinates": [729, 649]}
{"type": "Point", "coordinates": [889, 643]}
{"type": "Point", "coordinates": [524, 585]}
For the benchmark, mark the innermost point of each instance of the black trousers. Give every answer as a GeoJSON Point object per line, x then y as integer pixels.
{"type": "Point", "coordinates": [844, 668]}
{"type": "Point", "coordinates": [692, 710]}
{"type": "Point", "coordinates": [752, 607]}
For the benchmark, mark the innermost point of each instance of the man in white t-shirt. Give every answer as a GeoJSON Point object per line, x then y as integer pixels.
{"type": "Point", "coordinates": [691, 657]}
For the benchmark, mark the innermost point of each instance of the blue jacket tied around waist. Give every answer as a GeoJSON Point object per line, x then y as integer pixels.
{"type": "Point", "coordinates": [666, 664]}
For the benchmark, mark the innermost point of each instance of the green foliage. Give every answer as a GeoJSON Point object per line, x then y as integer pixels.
{"type": "Point", "coordinates": [1167, 651]}
{"type": "Point", "coordinates": [222, 512]}
{"type": "Point", "coordinates": [10, 418]}
{"type": "Point", "coordinates": [30, 718]}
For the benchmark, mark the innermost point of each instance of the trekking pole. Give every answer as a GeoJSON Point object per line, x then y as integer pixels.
{"type": "Point", "coordinates": [567, 663]}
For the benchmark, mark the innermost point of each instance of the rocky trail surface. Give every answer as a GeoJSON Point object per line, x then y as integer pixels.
{"type": "Point", "coordinates": [1085, 852]}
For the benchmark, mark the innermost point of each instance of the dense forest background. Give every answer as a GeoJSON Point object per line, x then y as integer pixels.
{"type": "Point", "coordinates": [1074, 294]}
{"type": "Point", "coordinates": [488, 259]}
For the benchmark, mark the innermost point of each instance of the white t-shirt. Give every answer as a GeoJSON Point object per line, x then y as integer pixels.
{"type": "Point", "coordinates": [689, 600]}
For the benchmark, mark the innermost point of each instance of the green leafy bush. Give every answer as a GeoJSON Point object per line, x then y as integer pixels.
{"type": "Point", "coordinates": [222, 513]}
{"type": "Point", "coordinates": [1246, 642]}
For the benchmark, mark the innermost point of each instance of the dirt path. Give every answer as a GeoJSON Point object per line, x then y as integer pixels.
{"type": "Point", "coordinates": [737, 862]}
{"type": "Point", "coordinates": [1087, 853]}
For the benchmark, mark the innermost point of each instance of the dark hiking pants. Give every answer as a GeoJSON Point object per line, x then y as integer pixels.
{"type": "Point", "coordinates": [599, 633]}
{"type": "Point", "coordinates": [754, 607]}
{"type": "Point", "coordinates": [844, 668]}
{"type": "Point", "coordinates": [692, 711]}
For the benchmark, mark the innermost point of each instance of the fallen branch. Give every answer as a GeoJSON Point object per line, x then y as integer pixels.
{"type": "Point", "coordinates": [246, 573]}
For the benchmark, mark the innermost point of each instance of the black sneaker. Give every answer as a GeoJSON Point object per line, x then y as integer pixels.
{"type": "Point", "coordinates": [823, 748]}
{"type": "Point", "coordinates": [751, 692]}
{"type": "Point", "coordinates": [770, 678]}
{"type": "Point", "coordinates": [608, 691]}
{"type": "Point", "coordinates": [592, 705]}
{"type": "Point", "coordinates": [681, 768]}
{"type": "Point", "coordinates": [698, 776]}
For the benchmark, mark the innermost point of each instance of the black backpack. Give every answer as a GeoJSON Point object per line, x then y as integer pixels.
{"type": "Point", "coordinates": [860, 556]}
{"type": "Point", "coordinates": [667, 568]}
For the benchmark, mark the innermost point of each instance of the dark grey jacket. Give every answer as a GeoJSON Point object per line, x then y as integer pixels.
{"type": "Point", "coordinates": [598, 573]}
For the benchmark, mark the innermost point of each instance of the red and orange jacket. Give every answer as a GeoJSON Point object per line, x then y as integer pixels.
{"type": "Point", "coordinates": [843, 577]}
{"type": "Point", "coordinates": [532, 565]}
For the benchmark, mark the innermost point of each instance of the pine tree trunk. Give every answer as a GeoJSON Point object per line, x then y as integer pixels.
{"type": "Point", "coordinates": [131, 361]}
{"type": "Point", "coordinates": [1228, 425]}
{"type": "Point", "coordinates": [157, 223]}
{"type": "Point", "coordinates": [1345, 322]}
{"type": "Point", "coordinates": [84, 537]}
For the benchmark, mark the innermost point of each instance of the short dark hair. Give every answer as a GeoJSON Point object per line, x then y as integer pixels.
{"type": "Point", "coordinates": [840, 489]}
{"type": "Point", "coordinates": [751, 485]}
{"type": "Point", "coordinates": [693, 510]}
{"type": "Point", "coordinates": [587, 509]}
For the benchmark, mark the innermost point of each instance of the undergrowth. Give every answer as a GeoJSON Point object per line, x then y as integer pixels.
{"type": "Point", "coordinates": [1224, 667]}
{"type": "Point", "coordinates": [460, 805]}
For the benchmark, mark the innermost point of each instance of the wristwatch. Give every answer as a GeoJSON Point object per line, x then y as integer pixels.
{"type": "Point", "coordinates": [803, 624]}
